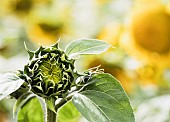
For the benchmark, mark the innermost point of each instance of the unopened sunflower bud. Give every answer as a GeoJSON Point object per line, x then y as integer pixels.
{"type": "Point", "coordinates": [49, 71]}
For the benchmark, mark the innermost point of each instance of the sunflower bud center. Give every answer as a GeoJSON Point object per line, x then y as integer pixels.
{"type": "Point", "coordinates": [51, 72]}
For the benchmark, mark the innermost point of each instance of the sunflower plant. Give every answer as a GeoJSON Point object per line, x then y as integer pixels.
{"type": "Point", "coordinates": [50, 89]}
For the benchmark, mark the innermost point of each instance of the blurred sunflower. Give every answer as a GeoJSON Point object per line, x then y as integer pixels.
{"type": "Point", "coordinates": [45, 32]}
{"type": "Point", "coordinates": [111, 33]}
{"type": "Point", "coordinates": [148, 75]}
{"type": "Point", "coordinates": [147, 33]}
{"type": "Point", "coordinates": [114, 64]}
{"type": "Point", "coordinates": [47, 24]}
{"type": "Point", "coordinates": [21, 8]}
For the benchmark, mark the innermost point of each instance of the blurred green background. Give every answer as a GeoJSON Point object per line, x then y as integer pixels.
{"type": "Point", "coordinates": [138, 29]}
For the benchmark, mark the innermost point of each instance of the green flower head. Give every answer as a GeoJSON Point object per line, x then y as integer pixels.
{"type": "Point", "coordinates": [49, 71]}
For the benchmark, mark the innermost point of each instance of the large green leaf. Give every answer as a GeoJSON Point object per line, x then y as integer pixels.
{"type": "Point", "coordinates": [9, 82]}
{"type": "Point", "coordinates": [31, 112]}
{"type": "Point", "coordinates": [22, 100]}
{"type": "Point", "coordinates": [68, 113]}
{"type": "Point", "coordinates": [104, 100]}
{"type": "Point", "coordinates": [86, 46]}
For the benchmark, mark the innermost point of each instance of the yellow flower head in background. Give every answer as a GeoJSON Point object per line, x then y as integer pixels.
{"type": "Point", "coordinates": [151, 28]}
{"type": "Point", "coordinates": [147, 33]}
{"type": "Point", "coordinates": [48, 23]}
{"type": "Point", "coordinates": [21, 7]}
{"type": "Point", "coordinates": [45, 32]}
{"type": "Point", "coordinates": [111, 33]}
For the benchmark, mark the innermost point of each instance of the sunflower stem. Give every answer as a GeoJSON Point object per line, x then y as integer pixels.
{"type": "Point", "coordinates": [51, 116]}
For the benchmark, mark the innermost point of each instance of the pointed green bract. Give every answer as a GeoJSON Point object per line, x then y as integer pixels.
{"type": "Point", "coordinates": [31, 53]}
{"type": "Point", "coordinates": [104, 100]}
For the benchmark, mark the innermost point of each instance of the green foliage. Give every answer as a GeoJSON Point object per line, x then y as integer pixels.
{"type": "Point", "coordinates": [104, 100]}
{"type": "Point", "coordinates": [9, 82]}
{"type": "Point", "coordinates": [86, 46]}
{"type": "Point", "coordinates": [68, 113]}
{"type": "Point", "coordinates": [31, 111]}
{"type": "Point", "coordinates": [49, 81]}
{"type": "Point", "coordinates": [21, 102]}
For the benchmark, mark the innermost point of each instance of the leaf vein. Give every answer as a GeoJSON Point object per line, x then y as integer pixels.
{"type": "Point", "coordinates": [109, 96]}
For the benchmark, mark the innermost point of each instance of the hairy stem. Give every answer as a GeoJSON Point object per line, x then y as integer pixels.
{"type": "Point", "coordinates": [62, 102]}
{"type": "Point", "coordinates": [51, 116]}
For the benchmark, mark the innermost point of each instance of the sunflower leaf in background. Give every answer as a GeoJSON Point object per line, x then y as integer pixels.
{"type": "Point", "coordinates": [9, 82]}
{"type": "Point", "coordinates": [28, 113]}
{"type": "Point", "coordinates": [86, 46]}
{"type": "Point", "coordinates": [104, 100]}
{"type": "Point", "coordinates": [21, 102]}
{"type": "Point", "coordinates": [68, 113]}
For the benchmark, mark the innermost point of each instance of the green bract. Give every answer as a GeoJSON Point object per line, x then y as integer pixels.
{"type": "Point", "coordinates": [49, 72]}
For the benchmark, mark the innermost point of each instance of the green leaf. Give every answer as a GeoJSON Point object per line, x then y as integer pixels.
{"type": "Point", "coordinates": [68, 113]}
{"type": "Point", "coordinates": [21, 102]}
{"type": "Point", "coordinates": [31, 111]}
{"type": "Point", "coordinates": [104, 100]}
{"type": "Point", "coordinates": [86, 46]}
{"type": "Point", "coordinates": [9, 82]}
